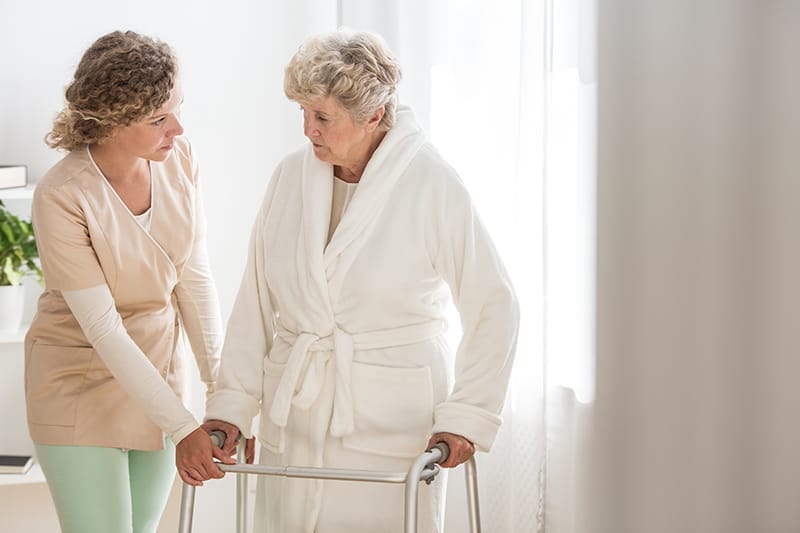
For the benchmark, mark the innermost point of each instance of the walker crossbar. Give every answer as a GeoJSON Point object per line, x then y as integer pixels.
{"type": "Point", "coordinates": [424, 468]}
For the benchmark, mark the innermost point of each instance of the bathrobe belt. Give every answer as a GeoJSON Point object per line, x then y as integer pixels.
{"type": "Point", "coordinates": [301, 389]}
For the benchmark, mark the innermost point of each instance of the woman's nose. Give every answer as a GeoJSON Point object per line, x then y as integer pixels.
{"type": "Point", "coordinates": [309, 128]}
{"type": "Point", "coordinates": [176, 128]}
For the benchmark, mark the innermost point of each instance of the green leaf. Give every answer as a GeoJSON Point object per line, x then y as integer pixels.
{"type": "Point", "coordinates": [17, 249]}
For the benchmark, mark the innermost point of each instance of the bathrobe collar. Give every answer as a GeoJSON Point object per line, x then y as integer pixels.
{"type": "Point", "coordinates": [387, 164]}
{"type": "Point", "coordinates": [328, 263]}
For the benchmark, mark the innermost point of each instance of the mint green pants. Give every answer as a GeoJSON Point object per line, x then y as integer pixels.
{"type": "Point", "coordinates": [108, 490]}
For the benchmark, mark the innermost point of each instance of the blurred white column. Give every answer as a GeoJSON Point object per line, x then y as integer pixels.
{"type": "Point", "coordinates": [698, 374]}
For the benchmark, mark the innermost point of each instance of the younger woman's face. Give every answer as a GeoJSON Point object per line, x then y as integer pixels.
{"type": "Point", "coordinates": [152, 137]}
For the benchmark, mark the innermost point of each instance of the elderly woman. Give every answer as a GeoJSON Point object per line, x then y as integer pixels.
{"type": "Point", "coordinates": [337, 332]}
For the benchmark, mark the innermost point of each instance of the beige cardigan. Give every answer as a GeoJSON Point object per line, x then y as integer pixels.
{"type": "Point", "coordinates": [87, 237]}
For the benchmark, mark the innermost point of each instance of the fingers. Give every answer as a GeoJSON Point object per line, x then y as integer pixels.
{"type": "Point", "coordinates": [196, 475]}
{"type": "Point", "coordinates": [194, 459]}
{"type": "Point", "coordinates": [461, 449]}
{"type": "Point", "coordinates": [250, 450]}
{"type": "Point", "coordinates": [222, 456]}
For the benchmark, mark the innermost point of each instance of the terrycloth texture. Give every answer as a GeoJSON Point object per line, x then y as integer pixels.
{"type": "Point", "coordinates": [343, 343]}
{"type": "Point", "coordinates": [88, 238]}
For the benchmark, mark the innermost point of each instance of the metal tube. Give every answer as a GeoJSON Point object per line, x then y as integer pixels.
{"type": "Point", "coordinates": [434, 455]}
{"type": "Point", "coordinates": [241, 492]}
{"type": "Point", "coordinates": [471, 479]}
{"type": "Point", "coordinates": [424, 468]}
{"type": "Point", "coordinates": [310, 472]}
{"type": "Point", "coordinates": [187, 509]}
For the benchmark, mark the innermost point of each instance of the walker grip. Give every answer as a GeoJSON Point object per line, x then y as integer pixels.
{"type": "Point", "coordinates": [218, 437]}
{"type": "Point", "coordinates": [443, 448]}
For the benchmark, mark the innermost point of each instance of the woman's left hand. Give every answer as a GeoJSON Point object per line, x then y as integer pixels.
{"type": "Point", "coordinates": [460, 448]}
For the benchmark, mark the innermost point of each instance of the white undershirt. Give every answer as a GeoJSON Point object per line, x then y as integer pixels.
{"type": "Point", "coordinates": [144, 218]}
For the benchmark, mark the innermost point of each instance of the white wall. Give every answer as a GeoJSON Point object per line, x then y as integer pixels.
{"type": "Point", "coordinates": [698, 374]}
{"type": "Point", "coordinates": [232, 58]}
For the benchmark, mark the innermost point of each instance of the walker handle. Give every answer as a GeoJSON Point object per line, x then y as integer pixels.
{"type": "Point", "coordinates": [443, 448]}
{"type": "Point", "coordinates": [218, 437]}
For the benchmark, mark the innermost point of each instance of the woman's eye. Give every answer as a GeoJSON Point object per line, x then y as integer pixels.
{"type": "Point", "coordinates": [159, 121]}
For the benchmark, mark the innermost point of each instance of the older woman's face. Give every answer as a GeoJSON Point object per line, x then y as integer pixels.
{"type": "Point", "coordinates": [336, 137]}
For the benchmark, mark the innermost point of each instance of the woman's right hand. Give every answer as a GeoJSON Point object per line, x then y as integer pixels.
{"type": "Point", "coordinates": [194, 458]}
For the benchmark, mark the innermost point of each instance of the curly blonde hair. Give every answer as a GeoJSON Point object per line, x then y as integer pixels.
{"type": "Point", "coordinates": [122, 78]}
{"type": "Point", "coordinates": [355, 68]}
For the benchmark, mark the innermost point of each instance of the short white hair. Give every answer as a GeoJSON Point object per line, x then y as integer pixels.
{"type": "Point", "coordinates": [355, 68]}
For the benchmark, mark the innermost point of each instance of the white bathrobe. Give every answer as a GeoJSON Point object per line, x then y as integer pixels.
{"type": "Point", "coordinates": [340, 347]}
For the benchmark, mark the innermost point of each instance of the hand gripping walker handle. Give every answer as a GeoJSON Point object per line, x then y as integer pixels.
{"type": "Point", "coordinates": [443, 448]}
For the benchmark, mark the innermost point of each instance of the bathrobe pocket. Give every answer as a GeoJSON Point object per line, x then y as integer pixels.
{"type": "Point", "coordinates": [272, 435]}
{"type": "Point", "coordinates": [393, 410]}
{"type": "Point", "coordinates": [55, 378]}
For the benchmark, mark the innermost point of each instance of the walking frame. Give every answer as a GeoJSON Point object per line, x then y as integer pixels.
{"type": "Point", "coordinates": [424, 468]}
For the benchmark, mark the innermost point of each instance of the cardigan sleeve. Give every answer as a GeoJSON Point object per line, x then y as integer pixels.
{"type": "Point", "coordinates": [198, 300]}
{"type": "Point", "coordinates": [94, 310]}
{"type": "Point", "coordinates": [65, 249]}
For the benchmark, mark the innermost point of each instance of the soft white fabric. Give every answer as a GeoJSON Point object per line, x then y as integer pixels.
{"type": "Point", "coordinates": [362, 318]}
{"type": "Point", "coordinates": [97, 315]}
{"type": "Point", "coordinates": [197, 298]}
{"type": "Point", "coordinates": [144, 219]}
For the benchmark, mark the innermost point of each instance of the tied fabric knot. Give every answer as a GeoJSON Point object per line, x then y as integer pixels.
{"type": "Point", "coordinates": [301, 389]}
{"type": "Point", "coordinates": [287, 393]}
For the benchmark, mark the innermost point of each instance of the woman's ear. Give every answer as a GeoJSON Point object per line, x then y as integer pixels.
{"type": "Point", "coordinates": [376, 118]}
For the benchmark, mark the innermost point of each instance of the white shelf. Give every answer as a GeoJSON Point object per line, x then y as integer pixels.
{"type": "Point", "coordinates": [34, 475]}
{"type": "Point", "coordinates": [17, 193]}
{"type": "Point", "coordinates": [15, 336]}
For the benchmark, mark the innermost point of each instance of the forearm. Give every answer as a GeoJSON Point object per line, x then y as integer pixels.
{"type": "Point", "coordinates": [95, 311]}
{"type": "Point", "coordinates": [198, 303]}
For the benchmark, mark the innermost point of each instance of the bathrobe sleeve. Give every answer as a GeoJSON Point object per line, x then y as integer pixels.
{"type": "Point", "coordinates": [248, 338]}
{"type": "Point", "coordinates": [198, 301]}
{"type": "Point", "coordinates": [489, 312]}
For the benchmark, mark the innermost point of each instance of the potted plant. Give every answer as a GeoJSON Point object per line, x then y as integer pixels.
{"type": "Point", "coordinates": [17, 260]}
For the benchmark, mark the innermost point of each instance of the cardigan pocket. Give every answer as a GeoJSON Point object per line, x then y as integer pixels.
{"type": "Point", "coordinates": [392, 410]}
{"type": "Point", "coordinates": [54, 379]}
{"type": "Point", "coordinates": [272, 435]}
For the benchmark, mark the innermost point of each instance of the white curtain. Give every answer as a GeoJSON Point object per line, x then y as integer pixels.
{"type": "Point", "coordinates": [475, 74]}
{"type": "Point", "coordinates": [570, 176]}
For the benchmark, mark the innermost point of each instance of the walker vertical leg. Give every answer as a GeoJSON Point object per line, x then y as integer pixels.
{"type": "Point", "coordinates": [471, 475]}
{"type": "Point", "coordinates": [241, 492]}
{"type": "Point", "coordinates": [187, 509]}
{"type": "Point", "coordinates": [413, 477]}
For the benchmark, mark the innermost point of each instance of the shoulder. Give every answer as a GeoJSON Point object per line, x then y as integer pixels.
{"type": "Point", "coordinates": [430, 172]}
{"type": "Point", "coordinates": [294, 160]}
{"type": "Point", "coordinates": [289, 169]}
{"type": "Point", "coordinates": [67, 181]}
{"type": "Point", "coordinates": [71, 171]}
{"type": "Point", "coordinates": [183, 157]}
{"type": "Point", "coordinates": [182, 148]}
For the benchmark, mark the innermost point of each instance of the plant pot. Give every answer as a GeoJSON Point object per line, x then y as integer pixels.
{"type": "Point", "coordinates": [12, 305]}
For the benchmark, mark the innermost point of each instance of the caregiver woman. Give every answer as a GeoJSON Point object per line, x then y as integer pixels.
{"type": "Point", "coordinates": [337, 331]}
{"type": "Point", "coordinates": [121, 233]}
